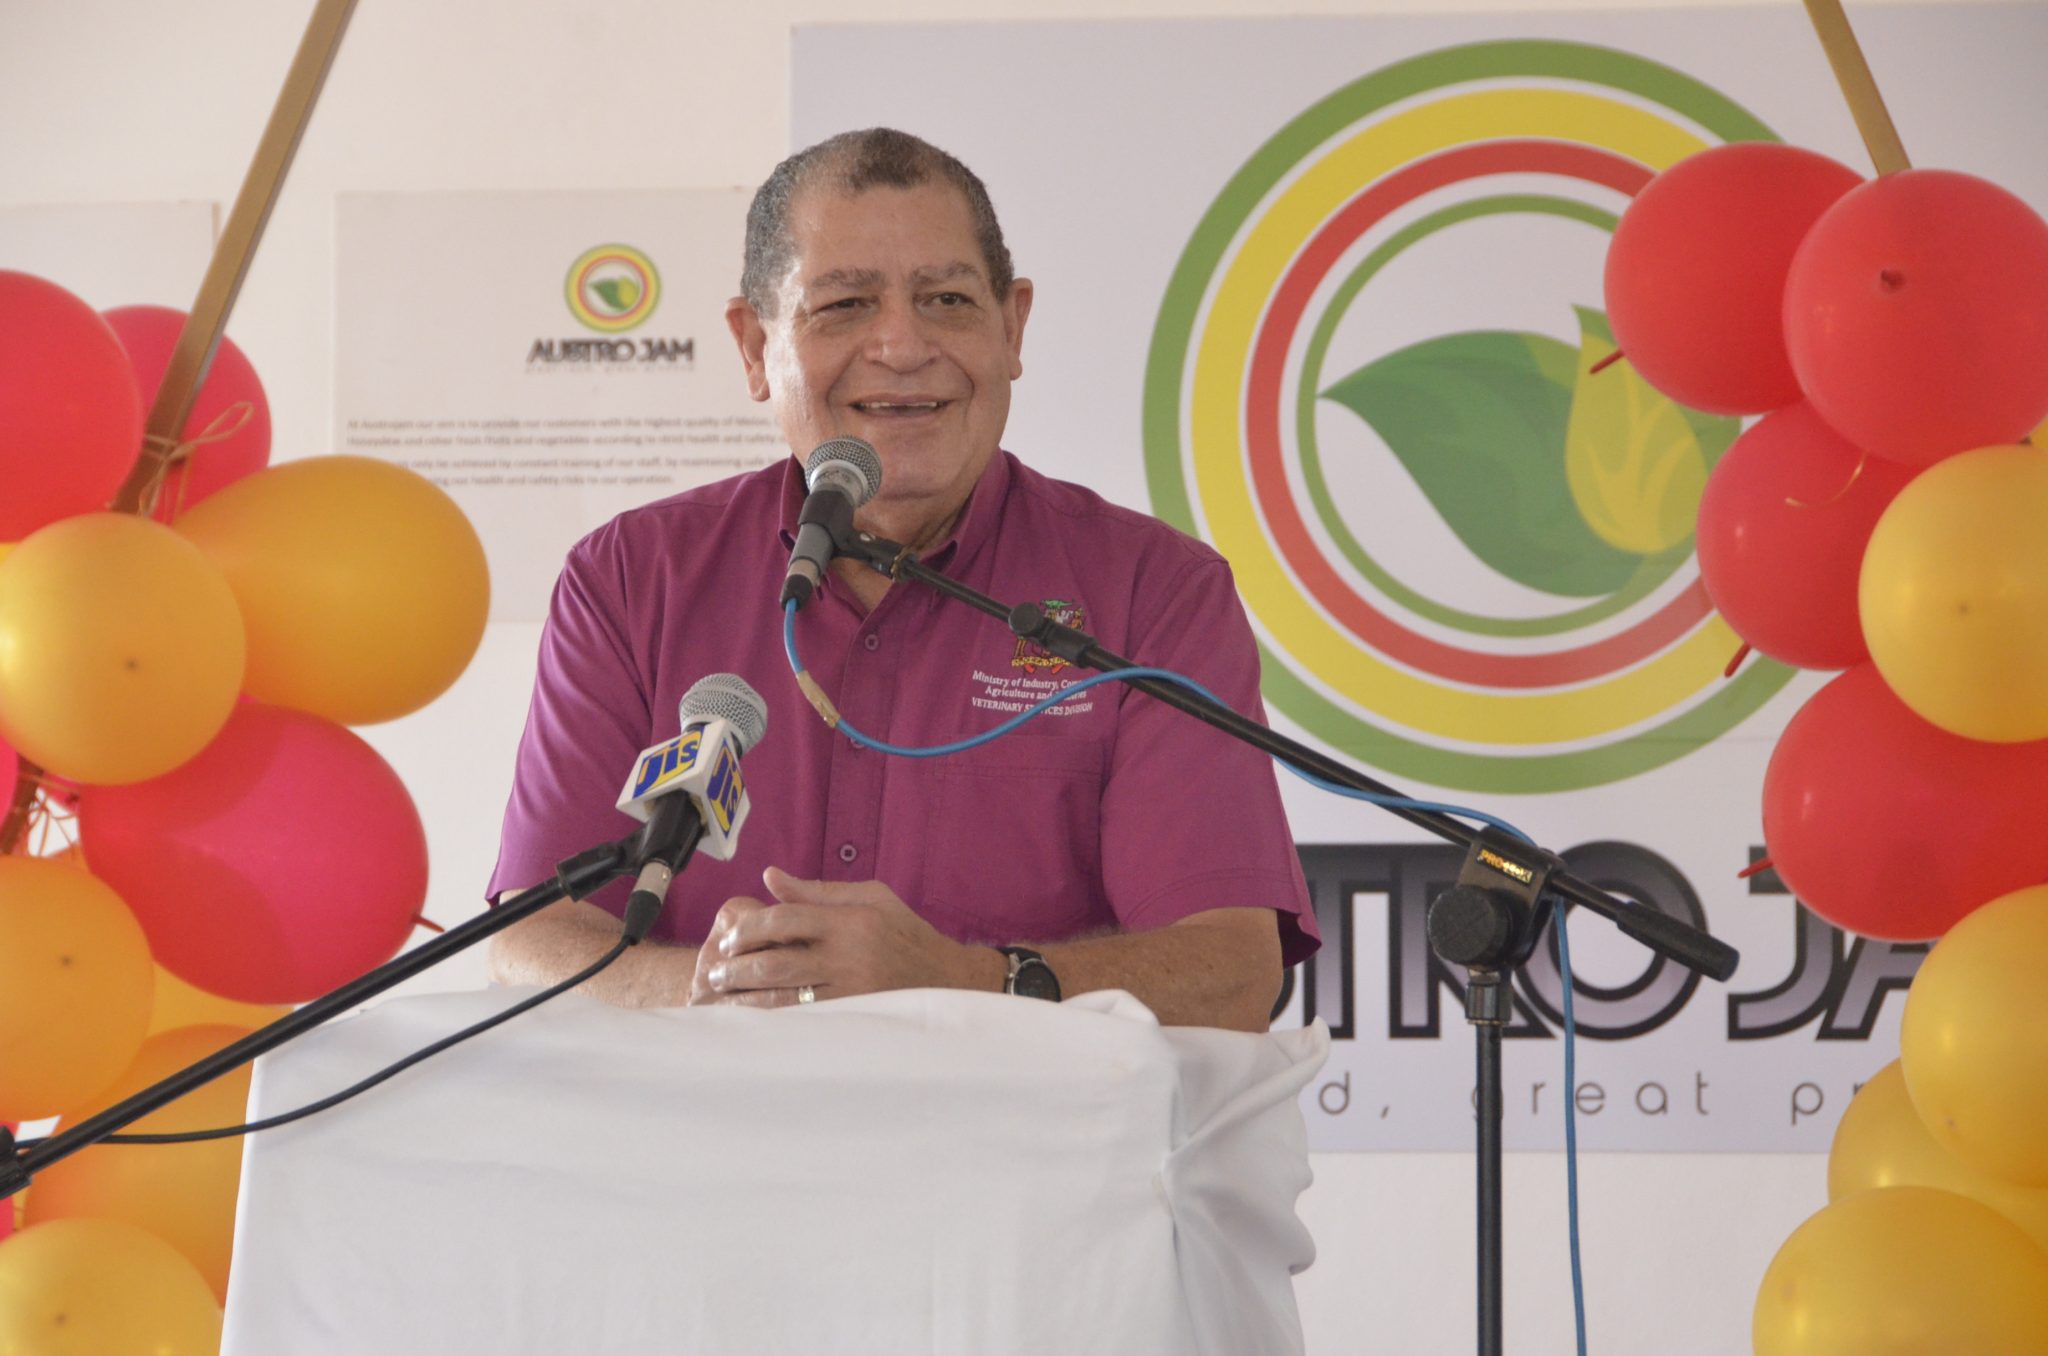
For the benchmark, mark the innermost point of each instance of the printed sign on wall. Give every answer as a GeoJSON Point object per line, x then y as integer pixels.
{"type": "Point", "coordinates": [1327, 294]}
{"type": "Point", "coordinates": [550, 359]}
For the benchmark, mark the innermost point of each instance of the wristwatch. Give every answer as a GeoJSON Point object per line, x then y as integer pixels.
{"type": "Point", "coordinates": [1030, 976]}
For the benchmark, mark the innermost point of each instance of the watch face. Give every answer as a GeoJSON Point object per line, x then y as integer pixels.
{"type": "Point", "coordinates": [1035, 979]}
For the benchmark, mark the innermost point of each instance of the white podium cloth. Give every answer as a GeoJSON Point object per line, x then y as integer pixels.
{"type": "Point", "coordinates": [919, 1172]}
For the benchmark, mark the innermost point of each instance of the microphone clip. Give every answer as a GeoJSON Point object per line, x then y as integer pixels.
{"type": "Point", "coordinates": [1490, 920]}
{"type": "Point", "coordinates": [1029, 621]}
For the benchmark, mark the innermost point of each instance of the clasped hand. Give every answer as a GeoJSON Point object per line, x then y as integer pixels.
{"type": "Point", "coordinates": [839, 937]}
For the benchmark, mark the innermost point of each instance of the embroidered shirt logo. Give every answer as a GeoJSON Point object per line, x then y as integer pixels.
{"type": "Point", "coordinates": [1010, 691]}
{"type": "Point", "coordinates": [1031, 655]}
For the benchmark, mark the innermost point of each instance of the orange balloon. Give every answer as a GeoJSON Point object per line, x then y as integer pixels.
{"type": "Point", "coordinates": [120, 649]}
{"type": "Point", "coordinates": [99, 1287]}
{"type": "Point", "coordinates": [1974, 1045]}
{"type": "Point", "coordinates": [364, 586]}
{"type": "Point", "coordinates": [182, 1193]}
{"type": "Point", "coordinates": [179, 1003]}
{"type": "Point", "coordinates": [74, 987]}
{"type": "Point", "coordinates": [1881, 1142]}
{"type": "Point", "coordinates": [1904, 1271]}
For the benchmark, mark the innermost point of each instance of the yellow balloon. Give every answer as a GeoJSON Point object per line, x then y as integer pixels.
{"type": "Point", "coordinates": [120, 649]}
{"type": "Point", "coordinates": [75, 987]}
{"type": "Point", "coordinates": [363, 585]}
{"type": "Point", "coordinates": [1954, 594]}
{"type": "Point", "coordinates": [179, 1003]}
{"type": "Point", "coordinates": [1904, 1271]}
{"type": "Point", "coordinates": [94, 1287]}
{"type": "Point", "coordinates": [1974, 1042]}
{"type": "Point", "coordinates": [182, 1193]}
{"type": "Point", "coordinates": [1881, 1142]}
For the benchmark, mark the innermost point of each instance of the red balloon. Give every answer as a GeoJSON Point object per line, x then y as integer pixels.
{"type": "Point", "coordinates": [10, 774]}
{"type": "Point", "coordinates": [1886, 825]}
{"type": "Point", "coordinates": [1782, 527]}
{"type": "Point", "coordinates": [1916, 314]}
{"type": "Point", "coordinates": [1695, 276]}
{"type": "Point", "coordinates": [70, 414]}
{"type": "Point", "coordinates": [282, 861]}
{"type": "Point", "coordinates": [150, 333]}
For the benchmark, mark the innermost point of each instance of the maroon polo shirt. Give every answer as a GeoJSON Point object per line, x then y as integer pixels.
{"type": "Point", "coordinates": [1110, 811]}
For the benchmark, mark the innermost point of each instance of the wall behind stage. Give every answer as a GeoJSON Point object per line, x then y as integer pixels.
{"type": "Point", "coordinates": [108, 101]}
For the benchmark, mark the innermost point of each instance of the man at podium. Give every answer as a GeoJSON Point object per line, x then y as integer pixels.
{"type": "Point", "coordinates": [1111, 843]}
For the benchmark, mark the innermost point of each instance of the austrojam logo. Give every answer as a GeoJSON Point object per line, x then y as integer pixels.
{"type": "Point", "coordinates": [612, 289]}
{"type": "Point", "coordinates": [1371, 384]}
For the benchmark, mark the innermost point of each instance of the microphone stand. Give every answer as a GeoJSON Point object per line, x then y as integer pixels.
{"type": "Point", "coordinates": [575, 876]}
{"type": "Point", "coordinates": [1489, 921]}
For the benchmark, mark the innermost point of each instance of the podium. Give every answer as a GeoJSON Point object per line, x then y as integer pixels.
{"type": "Point", "coordinates": [928, 1171]}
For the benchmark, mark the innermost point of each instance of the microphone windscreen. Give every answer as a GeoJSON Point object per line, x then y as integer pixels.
{"type": "Point", "coordinates": [727, 696]}
{"type": "Point", "coordinates": [848, 462]}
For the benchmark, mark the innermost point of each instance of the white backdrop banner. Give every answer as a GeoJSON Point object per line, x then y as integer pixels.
{"type": "Point", "coordinates": [1325, 293]}
{"type": "Point", "coordinates": [549, 359]}
{"type": "Point", "coordinates": [112, 254]}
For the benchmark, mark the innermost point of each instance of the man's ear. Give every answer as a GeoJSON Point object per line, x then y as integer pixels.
{"type": "Point", "coordinates": [752, 337]}
{"type": "Point", "coordinates": [1016, 309]}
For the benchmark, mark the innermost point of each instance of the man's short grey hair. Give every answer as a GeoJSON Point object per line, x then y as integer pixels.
{"type": "Point", "coordinates": [854, 162]}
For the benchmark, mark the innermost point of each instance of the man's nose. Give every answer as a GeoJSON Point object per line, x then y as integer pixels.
{"type": "Point", "coordinates": [900, 338]}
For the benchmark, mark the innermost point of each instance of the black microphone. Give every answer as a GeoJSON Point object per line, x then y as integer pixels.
{"type": "Point", "coordinates": [688, 792]}
{"type": "Point", "coordinates": [842, 474]}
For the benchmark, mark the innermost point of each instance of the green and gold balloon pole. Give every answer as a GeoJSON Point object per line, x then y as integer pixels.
{"type": "Point", "coordinates": [209, 315]}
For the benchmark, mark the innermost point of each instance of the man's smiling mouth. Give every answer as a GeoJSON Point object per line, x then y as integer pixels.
{"type": "Point", "coordinates": [898, 408]}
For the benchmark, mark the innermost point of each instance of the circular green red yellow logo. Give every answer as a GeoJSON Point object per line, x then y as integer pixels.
{"type": "Point", "coordinates": [612, 288]}
{"type": "Point", "coordinates": [1376, 386]}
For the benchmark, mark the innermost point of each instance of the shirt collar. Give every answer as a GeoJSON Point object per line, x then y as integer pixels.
{"type": "Point", "coordinates": [793, 490]}
{"type": "Point", "coordinates": [972, 527]}
{"type": "Point", "coordinates": [977, 519]}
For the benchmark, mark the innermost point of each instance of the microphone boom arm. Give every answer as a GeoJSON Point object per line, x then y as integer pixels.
{"type": "Point", "coordinates": [1663, 934]}
{"type": "Point", "coordinates": [575, 876]}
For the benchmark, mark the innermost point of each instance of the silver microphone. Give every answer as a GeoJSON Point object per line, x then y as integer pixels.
{"type": "Point", "coordinates": [842, 474]}
{"type": "Point", "coordinates": [688, 790]}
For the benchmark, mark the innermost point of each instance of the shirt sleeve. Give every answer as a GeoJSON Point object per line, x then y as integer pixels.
{"type": "Point", "coordinates": [1191, 817]}
{"type": "Point", "coordinates": [585, 725]}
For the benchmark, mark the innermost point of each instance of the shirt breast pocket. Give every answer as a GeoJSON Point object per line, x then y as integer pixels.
{"type": "Point", "coordinates": [1013, 851]}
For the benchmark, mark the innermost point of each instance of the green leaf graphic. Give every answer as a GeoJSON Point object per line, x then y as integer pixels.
{"type": "Point", "coordinates": [618, 293]}
{"type": "Point", "coordinates": [1635, 460]}
{"type": "Point", "coordinates": [1479, 420]}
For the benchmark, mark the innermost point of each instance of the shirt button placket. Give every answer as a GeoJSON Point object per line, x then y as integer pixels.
{"type": "Point", "coordinates": [853, 806]}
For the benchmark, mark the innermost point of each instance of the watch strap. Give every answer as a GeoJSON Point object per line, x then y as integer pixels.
{"type": "Point", "coordinates": [1030, 974]}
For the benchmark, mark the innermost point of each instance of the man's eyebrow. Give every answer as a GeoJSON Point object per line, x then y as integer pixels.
{"type": "Point", "coordinates": [960, 268]}
{"type": "Point", "coordinates": [871, 277]}
{"type": "Point", "coordinates": [845, 277]}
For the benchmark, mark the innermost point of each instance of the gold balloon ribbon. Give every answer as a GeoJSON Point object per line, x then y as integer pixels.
{"type": "Point", "coordinates": [169, 453]}
{"type": "Point", "coordinates": [43, 825]}
{"type": "Point", "coordinates": [15, 818]}
{"type": "Point", "coordinates": [1854, 476]}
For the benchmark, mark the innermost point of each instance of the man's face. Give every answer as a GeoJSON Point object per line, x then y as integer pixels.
{"type": "Point", "coordinates": [886, 329]}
